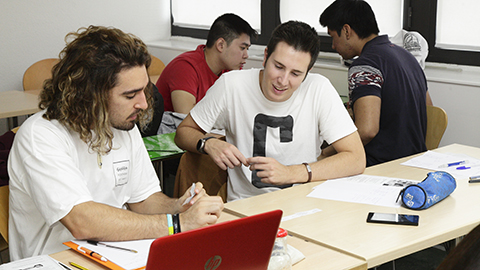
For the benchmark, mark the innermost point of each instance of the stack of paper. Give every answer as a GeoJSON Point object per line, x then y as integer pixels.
{"type": "Point", "coordinates": [43, 262]}
{"type": "Point", "coordinates": [458, 165]}
{"type": "Point", "coordinates": [122, 258]}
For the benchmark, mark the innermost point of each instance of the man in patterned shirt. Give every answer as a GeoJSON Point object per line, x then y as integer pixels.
{"type": "Point", "coordinates": [387, 87]}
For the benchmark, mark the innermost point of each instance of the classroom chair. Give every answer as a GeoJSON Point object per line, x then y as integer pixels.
{"type": "Point", "coordinates": [4, 193]}
{"type": "Point", "coordinates": [37, 73]}
{"type": "Point", "coordinates": [155, 69]}
{"type": "Point", "coordinates": [194, 168]}
{"type": "Point", "coordinates": [437, 121]}
{"type": "Point", "coordinates": [465, 255]}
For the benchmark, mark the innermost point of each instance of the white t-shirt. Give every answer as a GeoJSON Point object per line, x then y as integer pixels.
{"type": "Point", "coordinates": [51, 170]}
{"type": "Point", "coordinates": [291, 131]}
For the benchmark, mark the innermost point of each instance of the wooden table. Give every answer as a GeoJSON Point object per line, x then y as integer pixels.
{"type": "Point", "coordinates": [342, 225]}
{"type": "Point", "coordinates": [316, 256]}
{"type": "Point", "coordinates": [16, 103]}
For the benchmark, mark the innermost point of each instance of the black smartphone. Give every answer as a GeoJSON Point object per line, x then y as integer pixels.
{"type": "Point", "coordinates": [391, 218]}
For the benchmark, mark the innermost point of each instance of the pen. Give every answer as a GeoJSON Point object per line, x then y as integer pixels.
{"type": "Point", "coordinates": [453, 164]}
{"type": "Point", "coordinates": [96, 243]}
{"type": "Point", "coordinates": [163, 150]}
{"type": "Point", "coordinates": [91, 253]}
{"type": "Point", "coordinates": [64, 266]}
{"type": "Point", "coordinates": [76, 265]}
{"type": "Point", "coordinates": [474, 181]}
{"type": "Point", "coordinates": [475, 177]}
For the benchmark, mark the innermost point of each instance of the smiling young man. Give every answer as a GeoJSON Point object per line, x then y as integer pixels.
{"type": "Point", "coordinates": [275, 120]}
{"type": "Point", "coordinates": [187, 78]}
{"type": "Point", "coordinates": [79, 168]}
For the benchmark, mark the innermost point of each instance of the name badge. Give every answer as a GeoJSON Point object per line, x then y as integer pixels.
{"type": "Point", "coordinates": [120, 169]}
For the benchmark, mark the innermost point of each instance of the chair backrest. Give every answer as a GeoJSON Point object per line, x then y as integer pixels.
{"type": "Point", "coordinates": [37, 73]}
{"type": "Point", "coordinates": [194, 168]}
{"type": "Point", "coordinates": [437, 121]}
{"type": "Point", "coordinates": [4, 193]}
{"type": "Point", "coordinates": [156, 67]}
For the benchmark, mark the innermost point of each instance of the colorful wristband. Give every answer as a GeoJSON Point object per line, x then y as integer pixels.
{"type": "Point", "coordinates": [170, 224]}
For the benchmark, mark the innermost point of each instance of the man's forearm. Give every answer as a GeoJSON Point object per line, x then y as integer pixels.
{"type": "Point", "coordinates": [188, 134]}
{"type": "Point", "coordinates": [339, 165]}
{"type": "Point", "coordinates": [157, 203]}
{"type": "Point", "coordinates": [349, 159]}
{"type": "Point", "coordinates": [96, 221]}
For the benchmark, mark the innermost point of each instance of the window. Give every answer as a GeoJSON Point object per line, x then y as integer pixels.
{"type": "Point", "coordinates": [453, 18]}
{"type": "Point", "coordinates": [389, 14]}
{"type": "Point", "coordinates": [186, 22]}
{"type": "Point", "coordinates": [188, 17]}
{"type": "Point", "coordinates": [441, 22]}
{"type": "Point", "coordinates": [422, 17]}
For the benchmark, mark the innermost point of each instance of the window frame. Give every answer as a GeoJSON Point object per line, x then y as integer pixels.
{"type": "Point", "coordinates": [269, 9]}
{"type": "Point", "coordinates": [427, 28]}
{"type": "Point", "coordinates": [419, 16]}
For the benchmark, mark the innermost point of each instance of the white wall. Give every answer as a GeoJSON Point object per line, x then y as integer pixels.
{"type": "Point", "coordinates": [31, 30]}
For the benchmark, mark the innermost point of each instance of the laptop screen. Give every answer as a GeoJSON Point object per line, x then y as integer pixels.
{"type": "Point", "coordinates": [244, 243]}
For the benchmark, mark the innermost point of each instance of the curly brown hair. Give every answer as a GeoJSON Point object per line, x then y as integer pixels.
{"type": "Point", "coordinates": [78, 92]}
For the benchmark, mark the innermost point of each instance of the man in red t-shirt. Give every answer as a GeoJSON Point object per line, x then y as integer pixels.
{"type": "Point", "coordinates": [186, 79]}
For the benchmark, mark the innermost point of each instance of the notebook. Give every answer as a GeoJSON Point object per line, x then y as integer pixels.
{"type": "Point", "coordinates": [244, 243]}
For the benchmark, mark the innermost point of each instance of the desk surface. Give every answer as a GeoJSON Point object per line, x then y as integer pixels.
{"type": "Point", "coordinates": [161, 147]}
{"type": "Point", "coordinates": [342, 225]}
{"type": "Point", "coordinates": [15, 103]}
{"type": "Point", "coordinates": [316, 256]}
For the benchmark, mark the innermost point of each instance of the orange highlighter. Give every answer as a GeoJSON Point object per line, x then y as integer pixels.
{"type": "Point", "coordinates": [91, 253]}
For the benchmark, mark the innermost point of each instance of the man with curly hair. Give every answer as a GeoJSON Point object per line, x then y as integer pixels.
{"type": "Point", "coordinates": [79, 168]}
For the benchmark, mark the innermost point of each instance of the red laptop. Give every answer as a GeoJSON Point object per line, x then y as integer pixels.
{"type": "Point", "coordinates": [244, 243]}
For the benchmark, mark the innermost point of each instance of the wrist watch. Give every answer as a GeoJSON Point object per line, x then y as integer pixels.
{"type": "Point", "coordinates": [201, 144]}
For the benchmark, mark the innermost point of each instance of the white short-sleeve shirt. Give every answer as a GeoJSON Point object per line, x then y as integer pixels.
{"type": "Point", "coordinates": [51, 170]}
{"type": "Point", "coordinates": [291, 131]}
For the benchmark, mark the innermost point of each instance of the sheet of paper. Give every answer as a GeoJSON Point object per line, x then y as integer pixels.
{"type": "Point", "coordinates": [125, 259]}
{"type": "Point", "coordinates": [366, 189]}
{"type": "Point", "coordinates": [434, 161]}
{"type": "Point", "coordinates": [43, 262]}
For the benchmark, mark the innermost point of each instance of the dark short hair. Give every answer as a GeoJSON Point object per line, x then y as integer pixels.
{"type": "Point", "coordinates": [356, 13]}
{"type": "Point", "coordinates": [301, 36]}
{"type": "Point", "coordinates": [77, 94]}
{"type": "Point", "coordinates": [229, 27]}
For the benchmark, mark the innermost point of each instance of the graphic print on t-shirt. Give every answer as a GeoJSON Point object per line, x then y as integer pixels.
{"type": "Point", "coordinates": [260, 126]}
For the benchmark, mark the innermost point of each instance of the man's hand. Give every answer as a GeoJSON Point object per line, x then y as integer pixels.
{"type": "Point", "coordinates": [270, 171]}
{"type": "Point", "coordinates": [225, 154]}
{"type": "Point", "coordinates": [205, 211]}
{"type": "Point", "coordinates": [182, 205]}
